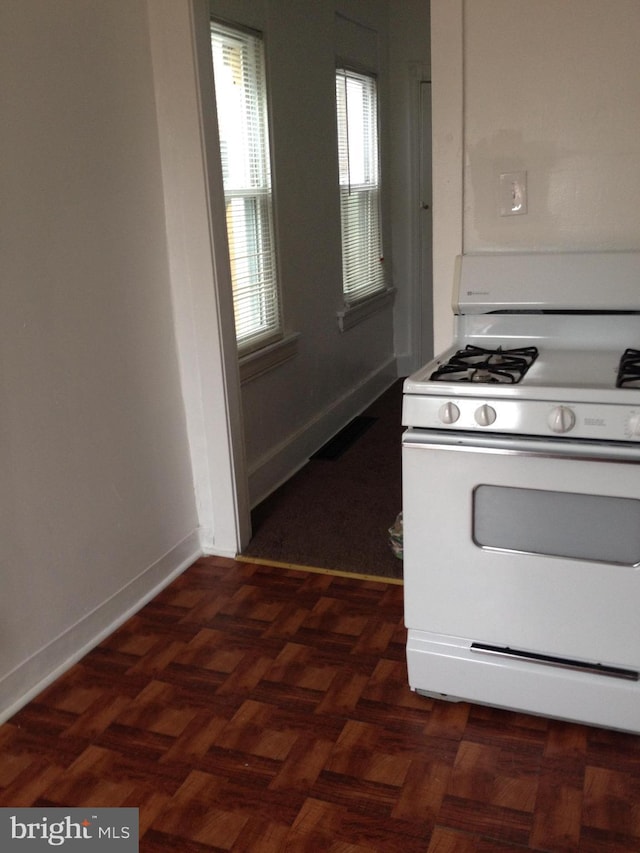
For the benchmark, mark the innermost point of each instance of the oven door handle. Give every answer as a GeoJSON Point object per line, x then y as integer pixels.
{"type": "Point", "coordinates": [596, 451]}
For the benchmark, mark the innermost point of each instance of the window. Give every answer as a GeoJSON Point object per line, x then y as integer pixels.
{"type": "Point", "coordinates": [238, 63]}
{"type": "Point", "coordinates": [362, 260]}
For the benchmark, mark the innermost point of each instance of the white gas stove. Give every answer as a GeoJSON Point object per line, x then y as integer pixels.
{"type": "Point", "coordinates": [522, 491]}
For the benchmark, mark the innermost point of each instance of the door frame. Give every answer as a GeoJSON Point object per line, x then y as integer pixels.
{"type": "Point", "coordinates": [424, 213]}
{"type": "Point", "coordinates": [447, 104]}
{"type": "Point", "coordinates": [199, 269]}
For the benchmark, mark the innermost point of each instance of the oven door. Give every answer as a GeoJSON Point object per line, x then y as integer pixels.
{"type": "Point", "coordinates": [525, 544]}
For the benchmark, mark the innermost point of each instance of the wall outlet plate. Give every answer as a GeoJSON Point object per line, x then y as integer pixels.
{"type": "Point", "coordinates": [513, 193]}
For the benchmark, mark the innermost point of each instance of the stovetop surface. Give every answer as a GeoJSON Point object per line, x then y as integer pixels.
{"type": "Point", "coordinates": [578, 356]}
{"type": "Point", "coordinates": [577, 373]}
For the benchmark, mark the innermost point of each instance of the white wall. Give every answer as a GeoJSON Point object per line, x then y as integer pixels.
{"type": "Point", "coordinates": [291, 410]}
{"type": "Point", "coordinates": [559, 99]}
{"type": "Point", "coordinates": [98, 507]}
{"type": "Point", "coordinates": [549, 87]}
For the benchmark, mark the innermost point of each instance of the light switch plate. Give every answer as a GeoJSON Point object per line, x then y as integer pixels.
{"type": "Point", "coordinates": [513, 193]}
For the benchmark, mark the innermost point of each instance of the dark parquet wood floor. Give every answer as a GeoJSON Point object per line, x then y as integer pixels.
{"type": "Point", "coordinates": [253, 708]}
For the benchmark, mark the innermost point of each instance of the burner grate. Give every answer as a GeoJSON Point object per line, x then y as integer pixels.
{"type": "Point", "coordinates": [629, 369]}
{"type": "Point", "coordinates": [477, 364]}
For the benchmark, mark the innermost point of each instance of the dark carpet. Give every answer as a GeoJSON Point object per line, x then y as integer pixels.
{"type": "Point", "coordinates": [335, 513]}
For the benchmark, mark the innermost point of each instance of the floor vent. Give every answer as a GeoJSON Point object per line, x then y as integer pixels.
{"type": "Point", "coordinates": [342, 440]}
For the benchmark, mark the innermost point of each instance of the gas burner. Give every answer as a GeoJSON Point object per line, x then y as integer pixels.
{"type": "Point", "coordinates": [629, 369]}
{"type": "Point", "coordinates": [476, 364]}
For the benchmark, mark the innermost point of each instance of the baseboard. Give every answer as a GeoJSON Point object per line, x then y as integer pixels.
{"type": "Point", "coordinates": [210, 548]}
{"type": "Point", "coordinates": [282, 462]}
{"type": "Point", "coordinates": [23, 683]}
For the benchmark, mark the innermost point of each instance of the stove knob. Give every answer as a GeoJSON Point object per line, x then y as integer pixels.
{"type": "Point", "coordinates": [634, 426]}
{"type": "Point", "coordinates": [449, 413]}
{"type": "Point", "coordinates": [485, 415]}
{"type": "Point", "coordinates": [561, 419]}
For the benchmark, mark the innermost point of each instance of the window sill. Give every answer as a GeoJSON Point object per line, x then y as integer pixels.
{"type": "Point", "coordinates": [351, 315]}
{"type": "Point", "coordinates": [273, 355]}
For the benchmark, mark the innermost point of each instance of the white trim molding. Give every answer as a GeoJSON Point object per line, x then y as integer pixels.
{"type": "Point", "coordinates": [267, 358]}
{"type": "Point", "coordinates": [351, 315]}
{"type": "Point", "coordinates": [447, 85]}
{"type": "Point", "coordinates": [41, 669]}
{"type": "Point", "coordinates": [199, 268]}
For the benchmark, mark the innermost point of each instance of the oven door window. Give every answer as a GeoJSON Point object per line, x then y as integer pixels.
{"type": "Point", "coordinates": [597, 528]}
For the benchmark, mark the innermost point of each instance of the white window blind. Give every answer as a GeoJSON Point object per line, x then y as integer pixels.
{"type": "Point", "coordinates": [358, 154]}
{"type": "Point", "coordinates": [238, 63]}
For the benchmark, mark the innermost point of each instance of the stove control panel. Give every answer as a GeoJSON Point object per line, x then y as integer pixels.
{"type": "Point", "coordinates": [554, 419]}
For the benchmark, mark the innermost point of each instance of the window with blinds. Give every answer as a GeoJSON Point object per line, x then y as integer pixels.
{"type": "Point", "coordinates": [239, 72]}
{"type": "Point", "coordinates": [358, 154]}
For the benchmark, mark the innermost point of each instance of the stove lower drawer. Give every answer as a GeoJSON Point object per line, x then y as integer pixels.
{"type": "Point", "coordinates": [451, 668]}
